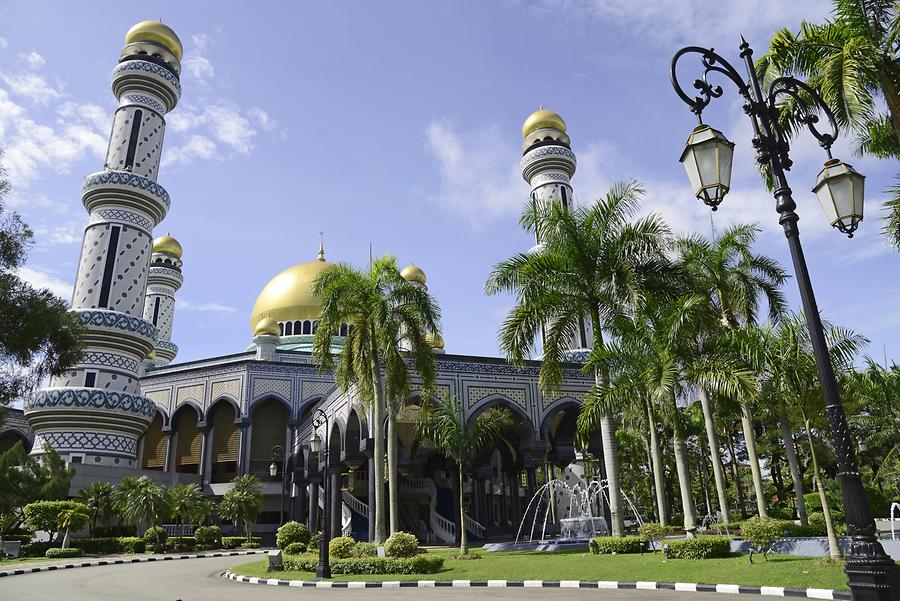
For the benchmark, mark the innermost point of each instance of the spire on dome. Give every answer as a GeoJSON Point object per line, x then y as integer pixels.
{"type": "Point", "coordinates": [321, 256]}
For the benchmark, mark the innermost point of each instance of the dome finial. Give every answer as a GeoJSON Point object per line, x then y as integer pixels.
{"type": "Point", "coordinates": [321, 256]}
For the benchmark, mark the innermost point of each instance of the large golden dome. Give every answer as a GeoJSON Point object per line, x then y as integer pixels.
{"type": "Point", "coordinates": [288, 296]}
{"type": "Point", "coordinates": [413, 273]}
{"type": "Point", "coordinates": [541, 119]}
{"type": "Point", "coordinates": [155, 31]}
{"type": "Point", "coordinates": [168, 245]}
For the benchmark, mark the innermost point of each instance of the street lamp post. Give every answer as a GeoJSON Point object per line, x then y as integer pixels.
{"type": "Point", "coordinates": [273, 471]}
{"type": "Point", "coordinates": [871, 573]}
{"type": "Point", "coordinates": [323, 570]}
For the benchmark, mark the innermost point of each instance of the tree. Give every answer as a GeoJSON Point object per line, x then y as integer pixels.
{"type": "Point", "coordinates": [204, 510]}
{"type": "Point", "coordinates": [382, 309]}
{"type": "Point", "coordinates": [242, 502]}
{"type": "Point", "coordinates": [735, 279]}
{"type": "Point", "coordinates": [25, 479]}
{"type": "Point", "coordinates": [98, 498]}
{"type": "Point", "coordinates": [141, 500]}
{"type": "Point", "coordinates": [45, 515]}
{"type": "Point", "coordinates": [876, 394]}
{"type": "Point", "coordinates": [38, 335]}
{"type": "Point", "coordinates": [593, 264]}
{"type": "Point", "coordinates": [183, 500]}
{"type": "Point", "coordinates": [443, 423]}
{"type": "Point", "coordinates": [73, 518]}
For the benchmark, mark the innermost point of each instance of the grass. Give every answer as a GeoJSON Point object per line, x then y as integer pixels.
{"type": "Point", "coordinates": [781, 570]}
{"type": "Point", "coordinates": [15, 560]}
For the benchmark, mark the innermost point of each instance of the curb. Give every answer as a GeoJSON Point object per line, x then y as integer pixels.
{"type": "Point", "coordinates": [114, 562]}
{"type": "Point", "coordinates": [776, 591]}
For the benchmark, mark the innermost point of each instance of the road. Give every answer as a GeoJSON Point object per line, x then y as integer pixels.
{"type": "Point", "coordinates": [199, 580]}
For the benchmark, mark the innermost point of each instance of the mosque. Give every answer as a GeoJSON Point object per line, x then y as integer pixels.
{"type": "Point", "coordinates": [126, 408]}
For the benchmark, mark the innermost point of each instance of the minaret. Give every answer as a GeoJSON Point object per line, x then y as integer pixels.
{"type": "Point", "coordinates": [414, 275]}
{"type": "Point", "coordinates": [159, 307]}
{"type": "Point", "coordinates": [95, 413]}
{"type": "Point", "coordinates": [548, 165]}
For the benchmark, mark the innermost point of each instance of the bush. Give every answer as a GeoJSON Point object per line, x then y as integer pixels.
{"type": "Point", "coordinates": [114, 531]}
{"type": "Point", "coordinates": [297, 548]}
{"type": "Point", "coordinates": [292, 532]}
{"type": "Point", "coordinates": [233, 542]}
{"type": "Point", "coordinates": [181, 543]}
{"type": "Point", "coordinates": [364, 549]}
{"type": "Point", "coordinates": [155, 537]}
{"type": "Point", "coordinates": [423, 563]}
{"type": "Point", "coordinates": [36, 549]}
{"type": "Point", "coordinates": [250, 545]}
{"type": "Point", "coordinates": [132, 544]}
{"type": "Point", "coordinates": [341, 547]}
{"type": "Point", "coordinates": [763, 532]}
{"type": "Point", "coordinates": [97, 546]}
{"type": "Point", "coordinates": [699, 547]}
{"type": "Point", "coordinates": [401, 544]}
{"type": "Point", "coordinates": [208, 537]}
{"type": "Point", "coordinates": [781, 513]}
{"type": "Point", "coordinates": [606, 545]}
{"type": "Point", "coordinates": [653, 533]}
{"type": "Point", "coordinates": [61, 553]}
{"type": "Point", "coordinates": [314, 541]}
{"type": "Point", "coordinates": [44, 515]}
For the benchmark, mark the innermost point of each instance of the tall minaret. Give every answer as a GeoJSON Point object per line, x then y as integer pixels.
{"type": "Point", "coordinates": [414, 275]}
{"type": "Point", "coordinates": [95, 413]}
{"type": "Point", "coordinates": [548, 165]}
{"type": "Point", "coordinates": [159, 307]}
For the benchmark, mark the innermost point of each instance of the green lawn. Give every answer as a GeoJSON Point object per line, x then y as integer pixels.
{"type": "Point", "coordinates": [781, 570]}
{"type": "Point", "coordinates": [13, 562]}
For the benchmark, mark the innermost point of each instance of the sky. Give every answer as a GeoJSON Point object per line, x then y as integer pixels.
{"type": "Point", "coordinates": [397, 124]}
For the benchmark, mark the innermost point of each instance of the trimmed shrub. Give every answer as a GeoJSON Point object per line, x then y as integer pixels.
{"type": "Point", "coordinates": [607, 545]}
{"type": "Point", "coordinates": [233, 542]}
{"type": "Point", "coordinates": [763, 532]}
{"type": "Point", "coordinates": [423, 563]}
{"type": "Point", "coordinates": [292, 532]}
{"type": "Point", "coordinates": [401, 544]}
{"type": "Point", "coordinates": [208, 537]}
{"type": "Point", "coordinates": [155, 537]}
{"type": "Point", "coordinates": [97, 546]}
{"type": "Point", "coordinates": [341, 547]}
{"type": "Point", "coordinates": [699, 547]}
{"type": "Point", "coordinates": [653, 533]}
{"type": "Point", "coordinates": [250, 545]}
{"type": "Point", "coordinates": [36, 549]}
{"type": "Point", "coordinates": [62, 553]}
{"type": "Point", "coordinates": [297, 548]}
{"type": "Point", "coordinates": [132, 544]}
{"type": "Point", "coordinates": [181, 543]}
{"type": "Point", "coordinates": [364, 549]}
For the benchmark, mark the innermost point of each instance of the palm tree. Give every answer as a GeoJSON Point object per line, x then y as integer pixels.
{"type": "Point", "coordinates": [382, 310]}
{"type": "Point", "coordinates": [140, 499]}
{"type": "Point", "coordinates": [594, 264]}
{"type": "Point", "coordinates": [876, 391]}
{"type": "Point", "coordinates": [98, 498]}
{"type": "Point", "coordinates": [204, 509]}
{"type": "Point", "coordinates": [443, 423]}
{"type": "Point", "coordinates": [734, 278]}
{"type": "Point", "coordinates": [183, 501]}
{"type": "Point", "coordinates": [72, 519]}
{"type": "Point", "coordinates": [241, 503]}
{"type": "Point", "coordinates": [658, 348]}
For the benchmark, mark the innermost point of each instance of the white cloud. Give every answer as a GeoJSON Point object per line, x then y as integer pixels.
{"type": "Point", "coordinates": [212, 307]}
{"type": "Point", "coordinates": [40, 278]}
{"type": "Point", "coordinates": [32, 86]}
{"type": "Point", "coordinates": [479, 179]}
{"type": "Point", "coordinates": [211, 127]}
{"type": "Point", "coordinates": [3, 43]}
{"type": "Point", "coordinates": [33, 60]}
{"type": "Point", "coordinates": [262, 118]}
{"type": "Point", "coordinates": [197, 147]}
{"type": "Point", "coordinates": [50, 235]}
{"type": "Point", "coordinates": [198, 67]}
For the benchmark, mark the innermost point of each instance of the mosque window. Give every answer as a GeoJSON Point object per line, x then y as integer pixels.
{"type": "Point", "coordinates": [155, 310]}
{"type": "Point", "coordinates": [90, 379]}
{"type": "Point", "coordinates": [281, 329]}
{"type": "Point", "coordinates": [106, 282]}
{"type": "Point", "coordinates": [133, 139]}
{"type": "Point", "coordinates": [307, 327]}
{"type": "Point", "coordinates": [343, 330]}
{"type": "Point", "coordinates": [315, 326]}
{"type": "Point", "coordinates": [565, 199]}
{"type": "Point", "coordinates": [288, 328]}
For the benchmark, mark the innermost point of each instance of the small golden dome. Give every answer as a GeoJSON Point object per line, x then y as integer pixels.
{"type": "Point", "coordinates": [158, 32]}
{"type": "Point", "coordinates": [152, 355]}
{"type": "Point", "coordinates": [413, 273]}
{"type": "Point", "coordinates": [168, 245]}
{"type": "Point", "coordinates": [288, 296]}
{"type": "Point", "coordinates": [267, 327]}
{"type": "Point", "coordinates": [435, 340]}
{"type": "Point", "coordinates": [541, 119]}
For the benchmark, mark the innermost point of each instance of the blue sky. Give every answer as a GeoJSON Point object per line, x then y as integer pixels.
{"type": "Point", "coordinates": [398, 124]}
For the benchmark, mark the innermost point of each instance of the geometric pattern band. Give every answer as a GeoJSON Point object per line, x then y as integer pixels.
{"type": "Point", "coordinates": [91, 398]}
{"type": "Point", "coordinates": [87, 441]}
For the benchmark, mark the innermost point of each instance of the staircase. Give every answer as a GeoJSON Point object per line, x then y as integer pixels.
{"type": "Point", "coordinates": [346, 515]}
{"type": "Point", "coordinates": [443, 528]}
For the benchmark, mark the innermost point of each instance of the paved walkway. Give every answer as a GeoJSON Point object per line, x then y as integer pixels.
{"type": "Point", "coordinates": [199, 580]}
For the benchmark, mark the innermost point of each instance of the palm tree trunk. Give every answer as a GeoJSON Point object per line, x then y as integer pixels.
{"type": "Point", "coordinates": [892, 99]}
{"type": "Point", "coordinates": [65, 541]}
{"type": "Point", "coordinates": [393, 475]}
{"type": "Point", "coordinates": [791, 453]}
{"type": "Point", "coordinates": [378, 435]}
{"type": "Point", "coordinates": [659, 475]}
{"type": "Point", "coordinates": [755, 472]}
{"type": "Point", "coordinates": [463, 540]}
{"type": "Point", "coordinates": [684, 472]}
{"type": "Point", "coordinates": [736, 474]}
{"type": "Point", "coordinates": [834, 550]}
{"type": "Point", "coordinates": [714, 457]}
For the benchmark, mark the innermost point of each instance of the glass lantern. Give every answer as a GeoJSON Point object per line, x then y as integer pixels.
{"type": "Point", "coordinates": [840, 189]}
{"type": "Point", "coordinates": [707, 159]}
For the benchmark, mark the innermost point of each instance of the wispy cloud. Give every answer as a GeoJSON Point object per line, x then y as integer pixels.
{"type": "Point", "coordinates": [210, 307]}
{"type": "Point", "coordinates": [44, 278]}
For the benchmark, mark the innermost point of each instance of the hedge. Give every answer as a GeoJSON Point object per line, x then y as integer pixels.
{"type": "Point", "coordinates": [420, 564]}
{"type": "Point", "coordinates": [401, 544]}
{"type": "Point", "coordinates": [208, 537]}
{"type": "Point", "coordinates": [110, 545]}
{"type": "Point", "coordinates": [115, 531]}
{"type": "Point", "coordinates": [60, 553]}
{"type": "Point", "coordinates": [297, 548]}
{"type": "Point", "coordinates": [699, 547]}
{"type": "Point", "coordinates": [36, 549]}
{"type": "Point", "coordinates": [292, 532]}
{"type": "Point", "coordinates": [233, 542]}
{"type": "Point", "coordinates": [607, 545]}
{"type": "Point", "coordinates": [22, 538]}
{"type": "Point", "coordinates": [181, 543]}
{"type": "Point", "coordinates": [364, 549]}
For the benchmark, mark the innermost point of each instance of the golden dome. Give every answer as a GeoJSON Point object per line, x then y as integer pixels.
{"type": "Point", "coordinates": [155, 31]}
{"type": "Point", "coordinates": [288, 296]}
{"type": "Point", "coordinates": [435, 340]}
{"type": "Point", "coordinates": [541, 119]}
{"type": "Point", "coordinates": [267, 327]}
{"type": "Point", "coordinates": [412, 273]}
{"type": "Point", "coordinates": [168, 245]}
{"type": "Point", "coordinates": [152, 355]}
